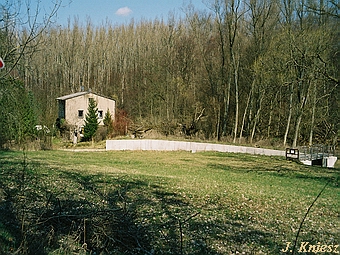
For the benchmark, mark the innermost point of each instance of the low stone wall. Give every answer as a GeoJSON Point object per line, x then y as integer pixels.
{"type": "Point", "coordinates": [162, 145]}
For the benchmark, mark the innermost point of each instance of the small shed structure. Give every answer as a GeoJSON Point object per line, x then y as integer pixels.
{"type": "Point", "coordinates": [73, 108]}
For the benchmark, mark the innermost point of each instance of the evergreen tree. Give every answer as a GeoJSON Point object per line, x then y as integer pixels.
{"type": "Point", "coordinates": [18, 112]}
{"type": "Point", "coordinates": [91, 121]}
{"type": "Point", "coordinates": [108, 123]}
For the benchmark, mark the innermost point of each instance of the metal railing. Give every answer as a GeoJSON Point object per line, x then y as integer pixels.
{"type": "Point", "coordinates": [318, 151]}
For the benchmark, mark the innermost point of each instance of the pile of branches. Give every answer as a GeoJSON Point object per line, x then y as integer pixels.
{"type": "Point", "coordinates": [192, 129]}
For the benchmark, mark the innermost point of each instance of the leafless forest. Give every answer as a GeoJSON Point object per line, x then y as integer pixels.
{"type": "Point", "coordinates": [252, 70]}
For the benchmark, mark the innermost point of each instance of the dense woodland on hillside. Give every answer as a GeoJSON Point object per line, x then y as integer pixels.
{"type": "Point", "coordinates": [252, 70]}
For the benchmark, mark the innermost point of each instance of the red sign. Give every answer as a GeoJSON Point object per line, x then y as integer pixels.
{"type": "Point", "coordinates": [2, 63]}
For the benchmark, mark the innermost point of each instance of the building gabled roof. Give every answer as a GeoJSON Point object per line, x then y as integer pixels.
{"type": "Point", "coordinates": [73, 95]}
{"type": "Point", "coordinates": [79, 94]}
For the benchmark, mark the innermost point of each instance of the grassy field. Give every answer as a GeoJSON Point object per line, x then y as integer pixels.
{"type": "Point", "coordinates": [63, 202]}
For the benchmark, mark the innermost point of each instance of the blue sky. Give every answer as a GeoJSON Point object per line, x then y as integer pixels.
{"type": "Point", "coordinates": [118, 11]}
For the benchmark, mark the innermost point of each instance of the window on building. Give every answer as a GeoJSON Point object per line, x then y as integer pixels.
{"type": "Point", "coordinates": [80, 114]}
{"type": "Point", "coordinates": [100, 114]}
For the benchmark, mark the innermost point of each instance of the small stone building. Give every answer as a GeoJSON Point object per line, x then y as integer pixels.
{"type": "Point", "coordinates": [73, 107]}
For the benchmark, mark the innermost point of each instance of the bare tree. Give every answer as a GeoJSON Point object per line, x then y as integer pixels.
{"type": "Point", "coordinates": [18, 45]}
{"type": "Point", "coordinates": [20, 39]}
{"type": "Point", "coordinates": [254, 66]}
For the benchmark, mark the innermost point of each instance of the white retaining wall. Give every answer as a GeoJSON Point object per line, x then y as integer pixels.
{"type": "Point", "coordinates": [162, 145]}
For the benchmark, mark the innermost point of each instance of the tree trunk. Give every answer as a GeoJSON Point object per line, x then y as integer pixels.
{"type": "Point", "coordinates": [299, 118]}
{"type": "Point", "coordinates": [270, 119]}
{"type": "Point", "coordinates": [289, 116]}
{"type": "Point", "coordinates": [236, 66]}
{"type": "Point", "coordinates": [218, 135]}
{"type": "Point", "coordinates": [297, 130]}
{"type": "Point", "coordinates": [313, 116]}
{"type": "Point", "coordinates": [226, 101]}
{"type": "Point", "coordinates": [245, 112]}
{"type": "Point", "coordinates": [256, 119]}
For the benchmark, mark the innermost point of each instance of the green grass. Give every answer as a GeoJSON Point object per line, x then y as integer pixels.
{"type": "Point", "coordinates": [135, 202]}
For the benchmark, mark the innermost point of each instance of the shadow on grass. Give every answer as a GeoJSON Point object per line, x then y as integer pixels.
{"type": "Point", "coordinates": [313, 173]}
{"type": "Point", "coordinates": [321, 175]}
{"type": "Point", "coordinates": [68, 212]}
